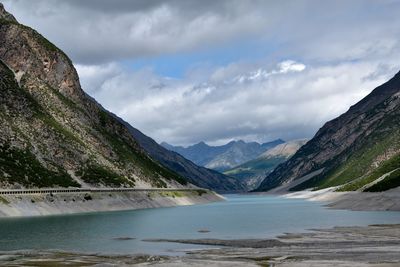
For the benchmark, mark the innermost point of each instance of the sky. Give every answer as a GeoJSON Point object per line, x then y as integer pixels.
{"type": "Point", "coordinates": [185, 71]}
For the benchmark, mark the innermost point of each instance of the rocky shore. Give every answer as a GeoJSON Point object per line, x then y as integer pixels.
{"type": "Point", "coordinates": [372, 246]}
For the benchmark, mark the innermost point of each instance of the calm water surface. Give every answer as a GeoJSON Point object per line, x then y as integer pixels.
{"type": "Point", "coordinates": [241, 216]}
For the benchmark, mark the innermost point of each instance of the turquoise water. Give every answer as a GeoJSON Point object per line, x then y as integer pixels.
{"type": "Point", "coordinates": [241, 216]}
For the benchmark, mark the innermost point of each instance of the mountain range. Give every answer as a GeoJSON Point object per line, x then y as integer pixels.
{"type": "Point", "coordinates": [359, 150]}
{"type": "Point", "coordinates": [223, 157]}
{"type": "Point", "coordinates": [52, 134]}
{"type": "Point", "coordinates": [253, 172]}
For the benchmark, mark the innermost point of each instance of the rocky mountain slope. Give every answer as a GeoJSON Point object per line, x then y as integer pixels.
{"type": "Point", "coordinates": [51, 133]}
{"type": "Point", "coordinates": [110, 147]}
{"type": "Point", "coordinates": [223, 157]}
{"type": "Point", "coordinates": [359, 150]}
{"type": "Point", "coordinates": [253, 172]}
{"type": "Point", "coordinates": [197, 175]}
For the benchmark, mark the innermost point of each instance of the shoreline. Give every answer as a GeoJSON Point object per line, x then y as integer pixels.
{"type": "Point", "coordinates": [349, 246]}
{"type": "Point", "coordinates": [66, 203]}
{"type": "Point", "coordinates": [352, 200]}
{"type": "Point", "coordinates": [369, 246]}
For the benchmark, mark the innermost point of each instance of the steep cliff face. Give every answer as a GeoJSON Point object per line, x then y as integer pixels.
{"type": "Point", "coordinates": [353, 150]}
{"type": "Point", "coordinates": [51, 132]}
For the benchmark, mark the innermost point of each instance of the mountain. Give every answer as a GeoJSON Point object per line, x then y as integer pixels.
{"type": "Point", "coordinates": [238, 153]}
{"type": "Point", "coordinates": [356, 151]}
{"type": "Point", "coordinates": [89, 143]}
{"type": "Point", "coordinates": [200, 153]}
{"type": "Point", "coordinates": [253, 172]}
{"type": "Point", "coordinates": [223, 157]}
{"type": "Point", "coordinates": [197, 175]}
{"type": "Point", "coordinates": [52, 134]}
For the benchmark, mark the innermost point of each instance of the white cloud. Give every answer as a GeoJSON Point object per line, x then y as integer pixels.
{"type": "Point", "coordinates": [282, 67]}
{"type": "Point", "coordinates": [94, 76]}
{"type": "Point", "coordinates": [340, 50]}
{"type": "Point", "coordinates": [290, 65]}
{"type": "Point", "coordinates": [289, 101]}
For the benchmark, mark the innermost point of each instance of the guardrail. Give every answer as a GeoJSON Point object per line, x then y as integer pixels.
{"type": "Point", "coordinates": [91, 190]}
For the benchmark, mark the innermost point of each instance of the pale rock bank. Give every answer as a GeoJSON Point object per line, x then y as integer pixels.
{"type": "Point", "coordinates": [67, 203]}
{"type": "Point", "coordinates": [355, 200]}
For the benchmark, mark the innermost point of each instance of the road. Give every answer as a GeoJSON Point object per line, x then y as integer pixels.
{"type": "Point", "coordinates": [90, 190]}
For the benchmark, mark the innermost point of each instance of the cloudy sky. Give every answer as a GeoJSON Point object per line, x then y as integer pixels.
{"type": "Point", "coordinates": [185, 71]}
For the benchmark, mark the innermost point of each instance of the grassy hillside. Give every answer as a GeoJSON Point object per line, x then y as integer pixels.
{"type": "Point", "coordinates": [52, 133]}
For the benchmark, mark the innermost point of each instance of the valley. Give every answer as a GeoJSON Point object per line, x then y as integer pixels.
{"type": "Point", "coordinates": [291, 139]}
{"type": "Point", "coordinates": [223, 157]}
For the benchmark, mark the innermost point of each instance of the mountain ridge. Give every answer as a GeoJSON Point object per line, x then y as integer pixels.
{"type": "Point", "coordinates": [195, 174]}
{"type": "Point", "coordinates": [55, 135]}
{"type": "Point", "coordinates": [252, 172]}
{"type": "Point", "coordinates": [45, 77]}
{"type": "Point", "coordinates": [222, 157]}
{"type": "Point", "coordinates": [350, 150]}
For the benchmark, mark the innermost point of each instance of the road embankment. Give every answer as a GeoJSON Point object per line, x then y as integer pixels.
{"type": "Point", "coordinates": [59, 201]}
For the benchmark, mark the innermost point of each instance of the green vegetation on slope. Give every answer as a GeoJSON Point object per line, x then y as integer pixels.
{"type": "Point", "coordinates": [95, 174]}
{"type": "Point", "coordinates": [386, 167]}
{"type": "Point", "coordinates": [359, 163]}
{"type": "Point", "coordinates": [68, 102]}
{"type": "Point", "coordinates": [68, 132]}
{"type": "Point", "coordinates": [360, 167]}
{"type": "Point", "coordinates": [254, 167]}
{"type": "Point", "coordinates": [350, 147]}
{"type": "Point", "coordinates": [149, 167]}
{"type": "Point", "coordinates": [389, 182]}
{"type": "Point", "coordinates": [22, 167]}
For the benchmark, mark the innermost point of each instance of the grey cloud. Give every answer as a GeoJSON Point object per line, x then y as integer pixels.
{"type": "Point", "coordinates": [100, 31]}
{"type": "Point", "coordinates": [104, 31]}
{"type": "Point", "coordinates": [126, 6]}
{"type": "Point", "coordinates": [288, 104]}
{"type": "Point", "coordinates": [348, 47]}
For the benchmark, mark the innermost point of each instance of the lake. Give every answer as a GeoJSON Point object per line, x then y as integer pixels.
{"type": "Point", "coordinates": [241, 216]}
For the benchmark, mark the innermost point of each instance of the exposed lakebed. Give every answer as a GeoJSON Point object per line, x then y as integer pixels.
{"type": "Point", "coordinates": [240, 217]}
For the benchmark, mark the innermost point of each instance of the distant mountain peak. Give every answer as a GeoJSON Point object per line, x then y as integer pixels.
{"type": "Point", "coordinates": [279, 140]}
{"type": "Point", "coordinates": [252, 172]}
{"type": "Point", "coordinates": [232, 142]}
{"type": "Point", "coordinates": [222, 157]}
{"type": "Point", "coordinates": [165, 144]}
{"type": "Point", "coordinates": [286, 149]}
{"type": "Point", "coordinates": [201, 143]}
